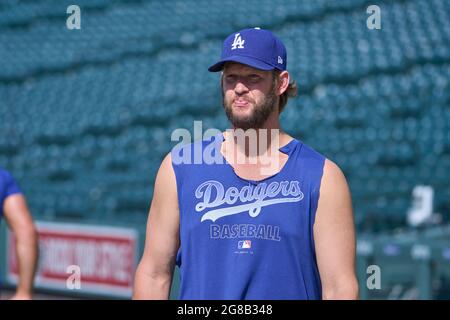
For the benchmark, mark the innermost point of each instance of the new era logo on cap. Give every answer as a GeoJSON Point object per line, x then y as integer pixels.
{"type": "Point", "coordinates": [256, 47]}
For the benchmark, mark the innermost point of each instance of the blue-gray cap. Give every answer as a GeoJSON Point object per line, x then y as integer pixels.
{"type": "Point", "coordinates": [255, 47]}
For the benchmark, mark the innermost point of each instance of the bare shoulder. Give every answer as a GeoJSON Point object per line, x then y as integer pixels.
{"type": "Point", "coordinates": [165, 189]}
{"type": "Point", "coordinates": [14, 203]}
{"type": "Point", "coordinates": [16, 211]}
{"type": "Point", "coordinates": [166, 174]}
{"type": "Point", "coordinates": [334, 199]}
{"type": "Point", "coordinates": [333, 175]}
{"type": "Point", "coordinates": [164, 204]}
{"type": "Point", "coordinates": [166, 163]}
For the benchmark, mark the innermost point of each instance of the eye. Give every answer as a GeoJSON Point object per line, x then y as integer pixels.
{"type": "Point", "coordinates": [230, 79]}
{"type": "Point", "coordinates": [254, 79]}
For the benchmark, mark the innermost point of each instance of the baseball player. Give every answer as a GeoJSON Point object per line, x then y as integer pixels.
{"type": "Point", "coordinates": [14, 208]}
{"type": "Point", "coordinates": [237, 231]}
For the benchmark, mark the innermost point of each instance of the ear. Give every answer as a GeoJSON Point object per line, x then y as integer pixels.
{"type": "Point", "coordinates": [283, 82]}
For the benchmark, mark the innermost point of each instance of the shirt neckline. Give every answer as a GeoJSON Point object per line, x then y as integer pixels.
{"type": "Point", "coordinates": [286, 149]}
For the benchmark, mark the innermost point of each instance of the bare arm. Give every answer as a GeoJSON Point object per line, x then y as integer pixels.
{"type": "Point", "coordinates": [21, 223]}
{"type": "Point", "coordinates": [334, 236]}
{"type": "Point", "coordinates": [154, 273]}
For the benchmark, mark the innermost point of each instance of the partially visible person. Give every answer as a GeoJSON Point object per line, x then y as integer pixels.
{"type": "Point", "coordinates": [14, 208]}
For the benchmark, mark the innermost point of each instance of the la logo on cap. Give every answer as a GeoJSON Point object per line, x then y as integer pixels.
{"type": "Point", "coordinates": [238, 43]}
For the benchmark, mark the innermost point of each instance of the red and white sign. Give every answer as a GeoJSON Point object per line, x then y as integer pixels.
{"type": "Point", "coordinates": [105, 257]}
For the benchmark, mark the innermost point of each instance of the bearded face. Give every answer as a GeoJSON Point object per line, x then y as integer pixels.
{"type": "Point", "coordinates": [249, 96]}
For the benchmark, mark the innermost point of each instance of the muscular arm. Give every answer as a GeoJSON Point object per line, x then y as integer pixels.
{"type": "Point", "coordinates": [21, 224]}
{"type": "Point", "coordinates": [154, 273]}
{"type": "Point", "coordinates": [334, 236]}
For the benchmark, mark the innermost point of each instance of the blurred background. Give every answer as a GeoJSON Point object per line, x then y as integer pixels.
{"type": "Point", "coordinates": [86, 117]}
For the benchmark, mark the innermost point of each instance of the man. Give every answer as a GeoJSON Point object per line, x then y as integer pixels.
{"type": "Point", "coordinates": [240, 230]}
{"type": "Point", "coordinates": [14, 208]}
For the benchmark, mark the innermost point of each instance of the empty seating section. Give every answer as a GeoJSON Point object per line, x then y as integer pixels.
{"type": "Point", "coordinates": [87, 115]}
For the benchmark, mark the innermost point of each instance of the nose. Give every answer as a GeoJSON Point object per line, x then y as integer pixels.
{"type": "Point", "coordinates": [240, 88]}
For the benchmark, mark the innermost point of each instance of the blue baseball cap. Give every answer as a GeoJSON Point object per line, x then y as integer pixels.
{"type": "Point", "coordinates": [255, 47]}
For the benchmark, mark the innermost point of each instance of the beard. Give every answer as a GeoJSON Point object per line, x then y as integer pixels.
{"type": "Point", "coordinates": [258, 115]}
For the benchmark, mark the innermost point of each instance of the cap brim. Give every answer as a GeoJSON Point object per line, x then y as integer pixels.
{"type": "Point", "coordinates": [249, 61]}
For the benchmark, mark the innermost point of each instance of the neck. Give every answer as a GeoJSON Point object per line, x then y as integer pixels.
{"type": "Point", "coordinates": [267, 138]}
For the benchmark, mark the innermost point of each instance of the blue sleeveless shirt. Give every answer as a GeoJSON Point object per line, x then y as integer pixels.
{"type": "Point", "coordinates": [243, 239]}
{"type": "Point", "coordinates": [8, 187]}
